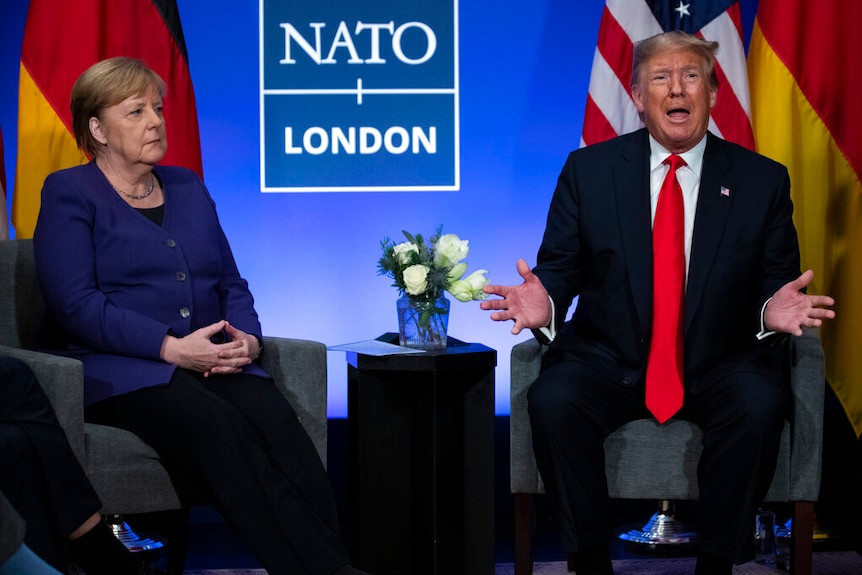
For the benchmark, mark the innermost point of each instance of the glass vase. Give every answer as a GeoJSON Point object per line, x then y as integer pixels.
{"type": "Point", "coordinates": [422, 322]}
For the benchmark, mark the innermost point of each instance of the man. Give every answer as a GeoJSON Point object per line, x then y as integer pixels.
{"type": "Point", "coordinates": [738, 266]}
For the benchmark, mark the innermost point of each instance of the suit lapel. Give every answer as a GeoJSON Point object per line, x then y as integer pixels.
{"type": "Point", "coordinates": [631, 186]}
{"type": "Point", "coordinates": [714, 201]}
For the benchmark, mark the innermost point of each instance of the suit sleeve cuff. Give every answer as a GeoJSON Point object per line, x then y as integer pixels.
{"type": "Point", "coordinates": [764, 333]}
{"type": "Point", "coordinates": [546, 334]}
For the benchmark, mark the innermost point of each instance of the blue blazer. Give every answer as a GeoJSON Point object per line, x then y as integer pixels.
{"type": "Point", "coordinates": [115, 283]}
{"type": "Point", "coordinates": [598, 246]}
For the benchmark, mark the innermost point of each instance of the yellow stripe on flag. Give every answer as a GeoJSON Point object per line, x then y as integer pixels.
{"type": "Point", "coordinates": [827, 197]}
{"type": "Point", "coordinates": [46, 144]}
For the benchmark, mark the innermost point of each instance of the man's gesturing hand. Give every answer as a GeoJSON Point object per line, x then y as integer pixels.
{"type": "Point", "coordinates": [790, 310]}
{"type": "Point", "coordinates": [527, 304]}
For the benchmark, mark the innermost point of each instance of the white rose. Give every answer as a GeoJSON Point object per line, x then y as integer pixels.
{"type": "Point", "coordinates": [450, 250]}
{"type": "Point", "coordinates": [403, 250]}
{"type": "Point", "coordinates": [415, 279]}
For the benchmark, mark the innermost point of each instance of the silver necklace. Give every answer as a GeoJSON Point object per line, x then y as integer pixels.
{"type": "Point", "coordinates": [142, 196]}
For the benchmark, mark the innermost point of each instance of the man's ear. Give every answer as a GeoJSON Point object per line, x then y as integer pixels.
{"type": "Point", "coordinates": [97, 131]}
{"type": "Point", "coordinates": [636, 98]}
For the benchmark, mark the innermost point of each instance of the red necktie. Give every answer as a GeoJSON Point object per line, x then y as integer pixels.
{"type": "Point", "coordinates": [664, 366]}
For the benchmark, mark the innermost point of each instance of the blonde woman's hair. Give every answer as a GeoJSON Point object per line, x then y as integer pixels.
{"type": "Point", "coordinates": [106, 84]}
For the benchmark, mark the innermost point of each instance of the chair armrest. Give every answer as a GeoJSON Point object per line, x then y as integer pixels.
{"type": "Point", "coordinates": [62, 378]}
{"type": "Point", "coordinates": [526, 362]}
{"type": "Point", "coordinates": [299, 369]}
{"type": "Point", "coordinates": [808, 381]}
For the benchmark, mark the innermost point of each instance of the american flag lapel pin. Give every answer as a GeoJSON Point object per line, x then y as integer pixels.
{"type": "Point", "coordinates": [725, 192]}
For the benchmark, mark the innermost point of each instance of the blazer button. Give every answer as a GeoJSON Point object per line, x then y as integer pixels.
{"type": "Point", "coordinates": [171, 243]}
{"type": "Point", "coordinates": [184, 312]}
{"type": "Point", "coordinates": [627, 381]}
{"type": "Point", "coordinates": [181, 276]}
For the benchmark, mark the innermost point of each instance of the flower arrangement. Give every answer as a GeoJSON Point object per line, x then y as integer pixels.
{"type": "Point", "coordinates": [425, 269]}
{"type": "Point", "coordinates": [422, 270]}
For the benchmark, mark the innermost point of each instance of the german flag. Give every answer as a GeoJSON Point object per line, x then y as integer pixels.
{"type": "Point", "coordinates": [803, 66]}
{"type": "Point", "coordinates": [62, 38]}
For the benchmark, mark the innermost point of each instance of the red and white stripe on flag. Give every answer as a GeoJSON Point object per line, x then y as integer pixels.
{"type": "Point", "coordinates": [610, 110]}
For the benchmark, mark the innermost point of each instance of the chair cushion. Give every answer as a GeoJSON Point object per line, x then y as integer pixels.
{"type": "Point", "coordinates": [126, 472]}
{"type": "Point", "coordinates": [643, 460]}
{"type": "Point", "coordinates": [642, 457]}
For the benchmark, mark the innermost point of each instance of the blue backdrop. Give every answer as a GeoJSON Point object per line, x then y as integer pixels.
{"type": "Point", "coordinates": [310, 258]}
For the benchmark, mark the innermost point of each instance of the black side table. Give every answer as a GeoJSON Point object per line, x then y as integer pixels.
{"type": "Point", "coordinates": [421, 460]}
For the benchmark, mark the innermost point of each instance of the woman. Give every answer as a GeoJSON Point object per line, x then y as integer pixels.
{"type": "Point", "coordinates": [137, 272]}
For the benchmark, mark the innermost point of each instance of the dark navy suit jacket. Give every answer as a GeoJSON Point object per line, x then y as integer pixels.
{"type": "Point", "coordinates": [116, 283]}
{"type": "Point", "coordinates": [598, 246]}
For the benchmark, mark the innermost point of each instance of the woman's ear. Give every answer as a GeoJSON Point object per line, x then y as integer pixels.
{"type": "Point", "coordinates": [97, 131]}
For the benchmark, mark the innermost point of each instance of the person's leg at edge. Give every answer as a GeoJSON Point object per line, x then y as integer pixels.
{"type": "Point", "coordinates": [45, 482]}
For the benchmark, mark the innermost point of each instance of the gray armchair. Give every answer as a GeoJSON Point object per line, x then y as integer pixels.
{"type": "Point", "coordinates": [648, 461]}
{"type": "Point", "coordinates": [126, 472]}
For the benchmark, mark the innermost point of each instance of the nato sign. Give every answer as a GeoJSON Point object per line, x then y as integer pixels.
{"type": "Point", "coordinates": [359, 96]}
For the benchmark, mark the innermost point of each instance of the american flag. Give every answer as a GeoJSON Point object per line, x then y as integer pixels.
{"type": "Point", "coordinates": [610, 110]}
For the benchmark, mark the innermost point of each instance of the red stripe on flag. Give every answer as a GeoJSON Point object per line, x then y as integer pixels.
{"type": "Point", "coordinates": [616, 47]}
{"type": "Point", "coordinates": [736, 17]}
{"type": "Point", "coordinates": [596, 125]}
{"type": "Point", "coordinates": [729, 116]}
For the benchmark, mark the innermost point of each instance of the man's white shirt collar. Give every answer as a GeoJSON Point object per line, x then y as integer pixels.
{"type": "Point", "coordinates": [693, 158]}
